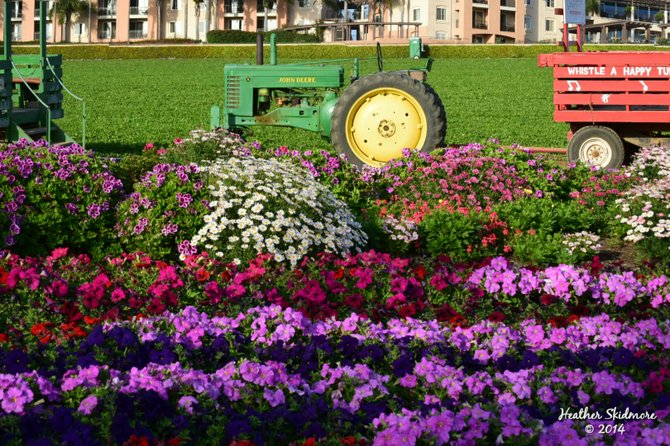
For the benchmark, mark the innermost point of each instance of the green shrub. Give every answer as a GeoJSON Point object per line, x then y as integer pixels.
{"type": "Point", "coordinates": [131, 168]}
{"type": "Point", "coordinates": [546, 248]}
{"type": "Point", "coordinates": [545, 215]}
{"type": "Point", "coordinates": [236, 36]}
{"type": "Point", "coordinates": [55, 196]}
{"type": "Point", "coordinates": [166, 208]}
{"type": "Point", "coordinates": [462, 237]}
{"type": "Point", "coordinates": [207, 145]}
{"type": "Point", "coordinates": [300, 51]}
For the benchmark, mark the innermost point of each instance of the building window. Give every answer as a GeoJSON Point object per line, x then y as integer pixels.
{"type": "Point", "coordinates": [233, 6]}
{"type": "Point", "coordinates": [550, 3]}
{"type": "Point", "coordinates": [16, 9]}
{"type": "Point", "coordinates": [232, 24]}
{"type": "Point", "coordinates": [172, 27]}
{"type": "Point", "coordinates": [441, 14]}
{"type": "Point", "coordinates": [107, 29]}
{"type": "Point", "coordinates": [137, 29]}
{"type": "Point", "coordinates": [80, 29]}
{"type": "Point", "coordinates": [174, 5]}
{"type": "Point", "coordinates": [527, 2]}
{"type": "Point", "coordinates": [260, 7]}
{"type": "Point", "coordinates": [16, 31]}
{"type": "Point", "coordinates": [107, 7]}
{"type": "Point", "coordinates": [440, 36]}
{"type": "Point", "coordinates": [549, 25]}
{"type": "Point", "coordinates": [416, 14]}
{"type": "Point", "coordinates": [457, 22]}
{"type": "Point", "coordinates": [527, 23]}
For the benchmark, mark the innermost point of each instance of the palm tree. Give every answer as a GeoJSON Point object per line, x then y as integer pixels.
{"type": "Point", "coordinates": [592, 7]}
{"type": "Point", "coordinates": [64, 9]}
{"type": "Point", "coordinates": [266, 5]}
{"type": "Point", "coordinates": [197, 18]}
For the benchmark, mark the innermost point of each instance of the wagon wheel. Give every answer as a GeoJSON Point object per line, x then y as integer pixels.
{"type": "Point", "coordinates": [381, 114]}
{"type": "Point", "coordinates": [597, 145]}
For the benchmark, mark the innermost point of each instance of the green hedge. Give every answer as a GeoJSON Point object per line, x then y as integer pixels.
{"type": "Point", "coordinates": [306, 51]}
{"type": "Point", "coordinates": [235, 36]}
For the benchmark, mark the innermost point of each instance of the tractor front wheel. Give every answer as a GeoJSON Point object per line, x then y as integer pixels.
{"type": "Point", "coordinates": [381, 114]}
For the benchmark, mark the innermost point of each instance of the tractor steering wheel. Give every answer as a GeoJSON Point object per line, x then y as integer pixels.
{"type": "Point", "coordinates": [380, 58]}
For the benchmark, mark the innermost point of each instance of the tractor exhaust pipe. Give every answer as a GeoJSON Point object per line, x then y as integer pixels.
{"type": "Point", "coordinates": [259, 49]}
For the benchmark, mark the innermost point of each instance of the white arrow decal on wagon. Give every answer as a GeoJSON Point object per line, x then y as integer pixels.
{"type": "Point", "coordinates": [644, 86]}
{"type": "Point", "coordinates": [574, 85]}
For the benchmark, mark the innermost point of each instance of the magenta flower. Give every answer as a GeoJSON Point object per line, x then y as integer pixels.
{"type": "Point", "coordinates": [275, 398]}
{"type": "Point", "coordinates": [88, 404]}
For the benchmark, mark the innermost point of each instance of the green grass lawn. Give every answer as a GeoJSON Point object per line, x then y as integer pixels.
{"type": "Point", "coordinates": [132, 102]}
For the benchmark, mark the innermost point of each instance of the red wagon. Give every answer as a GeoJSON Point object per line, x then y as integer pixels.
{"type": "Point", "coordinates": [609, 99]}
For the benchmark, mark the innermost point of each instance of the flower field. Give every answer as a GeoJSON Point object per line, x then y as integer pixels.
{"type": "Point", "coordinates": [214, 291]}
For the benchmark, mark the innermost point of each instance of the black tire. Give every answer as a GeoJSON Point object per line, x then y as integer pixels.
{"type": "Point", "coordinates": [390, 105]}
{"type": "Point", "coordinates": [597, 145]}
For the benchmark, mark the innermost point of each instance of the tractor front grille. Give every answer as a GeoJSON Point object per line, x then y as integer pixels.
{"type": "Point", "coordinates": [232, 92]}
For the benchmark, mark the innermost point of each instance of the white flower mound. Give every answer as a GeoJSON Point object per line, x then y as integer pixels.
{"type": "Point", "coordinates": [645, 207]}
{"type": "Point", "coordinates": [268, 206]}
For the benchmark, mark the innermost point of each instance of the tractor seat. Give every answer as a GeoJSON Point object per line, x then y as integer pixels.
{"type": "Point", "coordinates": [29, 80]}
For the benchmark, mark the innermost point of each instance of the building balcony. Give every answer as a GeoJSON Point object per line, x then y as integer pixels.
{"type": "Point", "coordinates": [137, 34]}
{"type": "Point", "coordinates": [139, 10]}
{"type": "Point", "coordinates": [106, 12]}
{"type": "Point", "coordinates": [508, 5]}
{"type": "Point", "coordinates": [507, 27]}
{"type": "Point", "coordinates": [480, 25]}
{"type": "Point", "coordinates": [229, 10]}
{"type": "Point", "coordinates": [36, 36]}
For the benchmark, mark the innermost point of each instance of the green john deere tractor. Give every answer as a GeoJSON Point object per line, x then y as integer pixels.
{"type": "Point", "coordinates": [371, 120]}
{"type": "Point", "coordinates": [31, 90]}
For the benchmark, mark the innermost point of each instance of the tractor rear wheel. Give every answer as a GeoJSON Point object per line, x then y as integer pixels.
{"type": "Point", "coordinates": [381, 114]}
{"type": "Point", "coordinates": [597, 145]}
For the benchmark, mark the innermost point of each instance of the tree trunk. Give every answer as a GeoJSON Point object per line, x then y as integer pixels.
{"type": "Point", "coordinates": [197, 21]}
{"type": "Point", "coordinates": [66, 32]}
{"type": "Point", "coordinates": [185, 2]}
{"type": "Point", "coordinates": [208, 16]}
{"type": "Point", "coordinates": [216, 15]}
{"type": "Point", "coordinates": [159, 3]}
{"type": "Point", "coordinates": [265, 15]}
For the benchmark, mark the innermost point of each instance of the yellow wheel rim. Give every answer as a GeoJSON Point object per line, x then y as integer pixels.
{"type": "Point", "coordinates": [382, 122]}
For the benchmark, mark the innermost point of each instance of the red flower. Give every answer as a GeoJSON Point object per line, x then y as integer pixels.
{"type": "Point", "coordinates": [91, 320]}
{"type": "Point", "coordinates": [354, 301]}
{"type": "Point", "coordinates": [3, 338]}
{"type": "Point", "coordinates": [3, 276]}
{"type": "Point", "coordinates": [548, 299]}
{"type": "Point", "coordinates": [134, 440]}
{"type": "Point", "coordinates": [242, 443]}
{"type": "Point", "coordinates": [458, 321]}
{"type": "Point", "coordinates": [420, 272]}
{"type": "Point", "coordinates": [40, 329]}
{"type": "Point", "coordinates": [311, 441]}
{"type": "Point", "coordinates": [407, 310]}
{"type": "Point", "coordinates": [496, 316]}
{"type": "Point", "coordinates": [202, 275]}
